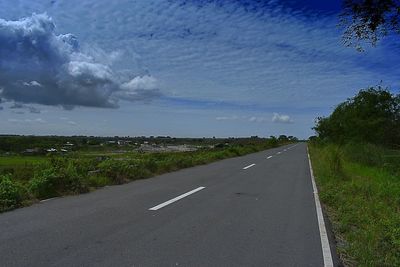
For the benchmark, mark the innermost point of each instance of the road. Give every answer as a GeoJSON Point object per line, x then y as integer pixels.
{"type": "Point", "coordinates": [255, 210]}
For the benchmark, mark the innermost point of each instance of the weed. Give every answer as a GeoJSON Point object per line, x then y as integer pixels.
{"type": "Point", "coordinates": [10, 193]}
{"type": "Point", "coordinates": [362, 201]}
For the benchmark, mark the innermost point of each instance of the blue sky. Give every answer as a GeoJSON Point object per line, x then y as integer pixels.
{"type": "Point", "coordinates": [179, 68]}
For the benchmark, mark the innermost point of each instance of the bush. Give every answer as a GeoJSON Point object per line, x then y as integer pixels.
{"type": "Point", "coordinates": [234, 150]}
{"type": "Point", "coordinates": [272, 142]}
{"type": "Point", "coordinates": [367, 154]}
{"type": "Point", "coordinates": [61, 178]}
{"type": "Point", "coordinates": [98, 181]}
{"type": "Point", "coordinates": [71, 180]}
{"type": "Point", "coordinates": [334, 157]}
{"type": "Point", "coordinates": [151, 165]}
{"type": "Point", "coordinates": [43, 184]}
{"type": "Point", "coordinates": [113, 170]}
{"type": "Point", "coordinates": [120, 171]}
{"type": "Point", "coordinates": [10, 193]}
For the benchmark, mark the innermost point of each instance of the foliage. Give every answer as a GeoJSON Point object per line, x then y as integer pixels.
{"type": "Point", "coordinates": [43, 184]}
{"type": "Point", "coordinates": [362, 202]}
{"type": "Point", "coordinates": [366, 154]}
{"type": "Point", "coordinates": [368, 21]}
{"type": "Point", "coordinates": [10, 193]}
{"type": "Point", "coordinates": [61, 177]}
{"type": "Point", "coordinates": [119, 171]}
{"type": "Point", "coordinates": [372, 116]}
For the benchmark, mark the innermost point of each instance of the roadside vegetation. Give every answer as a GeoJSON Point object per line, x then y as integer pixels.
{"type": "Point", "coordinates": [27, 179]}
{"type": "Point", "coordinates": [356, 160]}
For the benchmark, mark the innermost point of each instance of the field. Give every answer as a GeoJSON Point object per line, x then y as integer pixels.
{"type": "Point", "coordinates": [7, 161]}
{"type": "Point", "coordinates": [360, 189]}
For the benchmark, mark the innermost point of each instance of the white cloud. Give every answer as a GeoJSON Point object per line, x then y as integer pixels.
{"type": "Point", "coordinates": [55, 70]}
{"type": "Point", "coordinates": [144, 88]}
{"type": "Point", "coordinates": [281, 118]}
{"type": "Point", "coordinates": [227, 118]}
{"type": "Point", "coordinates": [37, 120]}
{"type": "Point", "coordinates": [257, 119]}
{"type": "Point", "coordinates": [32, 83]}
{"type": "Point", "coordinates": [241, 118]}
{"type": "Point", "coordinates": [141, 82]}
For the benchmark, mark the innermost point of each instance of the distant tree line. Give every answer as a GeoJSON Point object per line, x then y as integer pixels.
{"type": "Point", "coordinates": [372, 116]}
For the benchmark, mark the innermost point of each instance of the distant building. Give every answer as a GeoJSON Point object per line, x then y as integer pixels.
{"type": "Point", "coordinates": [123, 142]}
{"type": "Point", "coordinates": [31, 151]}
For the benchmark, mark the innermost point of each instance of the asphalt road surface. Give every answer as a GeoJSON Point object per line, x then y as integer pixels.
{"type": "Point", "coordinates": [255, 210]}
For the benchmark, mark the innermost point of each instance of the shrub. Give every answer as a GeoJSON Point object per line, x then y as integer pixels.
{"type": "Point", "coordinates": [70, 180]}
{"type": "Point", "coordinates": [120, 171]}
{"type": "Point", "coordinates": [272, 142]}
{"type": "Point", "coordinates": [184, 162]}
{"type": "Point", "coordinates": [234, 151]}
{"type": "Point", "coordinates": [10, 193]}
{"type": "Point", "coordinates": [334, 157]}
{"type": "Point", "coordinates": [113, 170]}
{"type": "Point", "coordinates": [98, 181]}
{"type": "Point", "coordinates": [151, 165]}
{"type": "Point", "coordinates": [58, 179]}
{"type": "Point", "coordinates": [43, 184]}
{"type": "Point", "coordinates": [368, 154]}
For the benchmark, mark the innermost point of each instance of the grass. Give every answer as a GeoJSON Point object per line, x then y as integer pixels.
{"type": "Point", "coordinates": [20, 167]}
{"type": "Point", "coordinates": [361, 195]}
{"type": "Point", "coordinates": [7, 161]}
{"type": "Point", "coordinates": [24, 180]}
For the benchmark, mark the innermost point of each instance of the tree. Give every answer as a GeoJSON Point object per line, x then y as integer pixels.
{"type": "Point", "coordinates": [372, 116]}
{"type": "Point", "coordinates": [283, 138]}
{"type": "Point", "coordinates": [367, 21]}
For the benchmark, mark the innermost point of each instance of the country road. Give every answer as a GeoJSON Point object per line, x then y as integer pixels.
{"type": "Point", "coordinates": [255, 210]}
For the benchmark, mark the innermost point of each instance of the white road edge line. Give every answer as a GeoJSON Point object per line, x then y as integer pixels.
{"type": "Point", "coordinates": [166, 203]}
{"type": "Point", "coordinates": [251, 165]}
{"type": "Point", "coordinates": [48, 199]}
{"type": "Point", "coordinates": [269, 157]}
{"type": "Point", "coordinates": [326, 250]}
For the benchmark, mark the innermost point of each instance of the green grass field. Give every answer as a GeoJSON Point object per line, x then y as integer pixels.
{"type": "Point", "coordinates": [7, 161]}
{"type": "Point", "coordinates": [361, 193]}
{"type": "Point", "coordinates": [21, 167]}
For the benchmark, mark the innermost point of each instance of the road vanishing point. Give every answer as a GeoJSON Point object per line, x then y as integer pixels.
{"type": "Point", "coordinates": [261, 209]}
